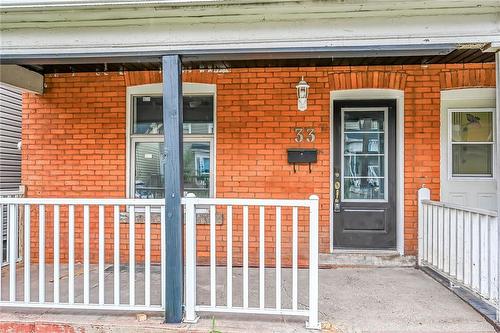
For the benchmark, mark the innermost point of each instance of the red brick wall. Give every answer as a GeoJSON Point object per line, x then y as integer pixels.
{"type": "Point", "coordinates": [74, 136]}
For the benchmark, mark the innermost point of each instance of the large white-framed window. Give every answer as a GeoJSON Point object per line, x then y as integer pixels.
{"type": "Point", "coordinates": [471, 143]}
{"type": "Point", "coordinates": [145, 172]}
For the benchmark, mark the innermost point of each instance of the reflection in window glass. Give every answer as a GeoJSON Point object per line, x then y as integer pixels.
{"type": "Point", "coordinates": [472, 126]}
{"type": "Point", "coordinates": [471, 143]}
{"type": "Point", "coordinates": [363, 143]}
{"type": "Point", "coordinates": [197, 168]}
{"type": "Point", "coordinates": [472, 159]}
{"type": "Point", "coordinates": [364, 188]}
{"type": "Point", "coordinates": [198, 115]}
{"type": "Point", "coordinates": [149, 171]}
{"type": "Point", "coordinates": [364, 166]}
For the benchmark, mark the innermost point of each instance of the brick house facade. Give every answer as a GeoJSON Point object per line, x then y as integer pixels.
{"type": "Point", "coordinates": [74, 136]}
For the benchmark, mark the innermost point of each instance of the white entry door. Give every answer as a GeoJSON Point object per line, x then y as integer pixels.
{"type": "Point", "coordinates": [468, 137]}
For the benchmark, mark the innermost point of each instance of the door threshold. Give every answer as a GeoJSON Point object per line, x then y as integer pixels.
{"type": "Point", "coordinates": [365, 251]}
{"type": "Point", "coordinates": [365, 258]}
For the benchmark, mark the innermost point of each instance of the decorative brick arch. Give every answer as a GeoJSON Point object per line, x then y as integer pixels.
{"type": "Point", "coordinates": [467, 78]}
{"type": "Point", "coordinates": [367, 79]}
{"type": "Point", "coordinates": [146, 77]}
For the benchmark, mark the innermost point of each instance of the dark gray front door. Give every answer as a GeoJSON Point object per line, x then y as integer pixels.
{"type": "Point", "coordinates": [364, 176]}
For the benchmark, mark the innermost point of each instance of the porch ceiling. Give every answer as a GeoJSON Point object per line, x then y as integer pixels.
{"type": "Point", "coordinates": [455, 56]}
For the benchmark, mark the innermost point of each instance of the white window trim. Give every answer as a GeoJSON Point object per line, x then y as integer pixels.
{"type": "Point", "coordinates": [156, 89]}
{"type": "Point", "coordinates": [450, 144]}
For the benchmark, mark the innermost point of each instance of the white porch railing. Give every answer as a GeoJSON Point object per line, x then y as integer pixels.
{"type": "Point", "coordinates": [68, 268]}
{"type": "Point", "coordinates": [98, 254]}
{"type": "Point", "coordinates": [462, 244]}
{"type": "Point", "coordinates": [263, 305]}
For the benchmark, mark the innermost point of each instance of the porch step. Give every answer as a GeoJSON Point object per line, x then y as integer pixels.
{"type": "Point", "coordinates": [365, 258]}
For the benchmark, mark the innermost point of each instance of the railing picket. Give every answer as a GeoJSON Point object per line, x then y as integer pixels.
{"type": "Point", "coordinates": [453, 242]}
{"type": "Point", "coordinates": [213, 258]}
{"type": "Point", "coordinates": [461, 248]}
{"type": "Point", "coordinates": [101, 255]}
{"type": "Point", "coordinates": [484, 248]}
{"type": "Point", "coordinates": [27, 253]}
{"type": "Point", "coordinates": [86, 254]}
{"type": "Point", "coordinates": [190, 295]}
{"type": "Point", "coordinates": [446, 240]}
{"type": "Point", "coordinates": [425, 232]}
{"type": "Point", "coordinates": [440, 238]}
{"type": "Point", "coordinates": [278, 258]}
{"type": "Point", "coordinates": [116, 255]}
{"type": "Point", "coordinates": [131, 260]}
{"type": "Point", "coordinates": [12, 251]}
{"type": "Point", "coordinates": [56, 253]}
{"type": "Point", "coordinates": [229, 273]}
{"type": "Point", "coordinates": [262, 258]}
{"type": "Point", "coordinates": [476, 248]}
{"type": "Point", "coordinates": [494, 260]}
{"type": "Point", "coordinates": [147, 257]}
{"type": "Point", "coordinates": [295, 258]}
{"type": "Point", "coordinates": [435, 234]}
{"type": "Point", "coordinates": [467, 248]}
{"type": "Point", "coordinates": [245, 257]}
{"type": "Point", "coordinates": [41, 254]}
{"type": "Point", "coordinates": [71, 254]}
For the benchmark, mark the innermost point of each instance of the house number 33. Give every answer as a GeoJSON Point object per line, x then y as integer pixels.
{"type": "Point", "coordinates": [308, 134]}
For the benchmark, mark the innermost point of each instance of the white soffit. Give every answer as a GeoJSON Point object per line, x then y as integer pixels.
{"type": "Point", "coordinates": [38, 27]}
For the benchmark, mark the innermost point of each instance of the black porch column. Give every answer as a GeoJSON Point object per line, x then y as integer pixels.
{"type": "Point", "coordinates": [172, 157]}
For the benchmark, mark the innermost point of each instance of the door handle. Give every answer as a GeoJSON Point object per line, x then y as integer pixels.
{"type": "Point", "coordinates": [336, 202]}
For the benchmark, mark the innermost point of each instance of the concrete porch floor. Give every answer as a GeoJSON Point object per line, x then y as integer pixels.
{"type": "Point", "coordinates": [351, 300]}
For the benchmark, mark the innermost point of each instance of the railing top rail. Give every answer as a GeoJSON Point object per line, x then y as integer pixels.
{"type": "Point", "coordinates": [82, 201]}
{"type": "Point", "coordinates": [460, 207]}
{"type": "Point", "coordinates": [157, 202]}
{"type": "Point", "coordinates": [250, 202]}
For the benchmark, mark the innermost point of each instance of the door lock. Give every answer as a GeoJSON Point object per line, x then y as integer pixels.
{"type": "Point", "coordinates": [336, 202]}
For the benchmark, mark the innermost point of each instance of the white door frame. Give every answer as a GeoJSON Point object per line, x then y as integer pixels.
{"type": "Point", "coordinates": [363, 94]}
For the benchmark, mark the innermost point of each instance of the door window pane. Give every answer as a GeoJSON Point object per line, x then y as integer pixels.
{"type": "Point", "coordinates": [364, 188]}
{"type": "Point", "coordinates": [364, 161]}
{"type": "Point", "coordinates": [363, 166]}
{"type": "Point", "coordinates": [472, 126]}
{"type": "Point", "coordinates": [149, 171]}
{"type": "Point", "coordinates": [472, 159]}
{"type": "Point", "coordinates": [363, 143]}
{"type": "Point", "coordinates": [197, 168]}
{"type": "Point", "coordinates": [364, 121]}
{"type": "Point", "coordinates": [198, 114]}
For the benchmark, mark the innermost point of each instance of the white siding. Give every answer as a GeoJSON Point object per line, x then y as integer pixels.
{"type": "Point", "coordinates": [10, 135]}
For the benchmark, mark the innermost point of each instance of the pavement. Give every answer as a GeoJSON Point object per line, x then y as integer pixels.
{"type": "Point", "coordinates": [392, 299]}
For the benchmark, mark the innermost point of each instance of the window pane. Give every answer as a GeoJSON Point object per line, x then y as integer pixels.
{"type": "Point", "coordinates": [364, 188]}
{"type": "Point", "coordinates": [472, 126]}
{"type": "Point", "coordinates": [363, 166]}
{"type": "Point", "coordinates": [148, 118]}
{"type": "Point", "coordinates": [363, 143]}
{"type": "Point", "coordinates": [198, 114]}
{"type": "Point", "coordinates": [149, 174]}
{"type": "Point", "coordinates": [472, 159]}
{"type": "Point", "coordinates": [197, 168]}
{"type": "Point", "coordinates": [371, 121]}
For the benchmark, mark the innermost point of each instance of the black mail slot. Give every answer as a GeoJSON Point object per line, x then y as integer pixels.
{"type": "Point", "coordinates": [297, 155]}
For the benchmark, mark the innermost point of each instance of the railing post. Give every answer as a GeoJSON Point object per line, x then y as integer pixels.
{"type": "Point", "coordinates": [313, 322]}
{"type": "Point", "coordinates": [190, 314]}
{"type": "Point", "coordinates": [423, 194]}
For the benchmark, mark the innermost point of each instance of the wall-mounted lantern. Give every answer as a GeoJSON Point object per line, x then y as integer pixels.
{"type": "Point", "coordinates": [302, 93]}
